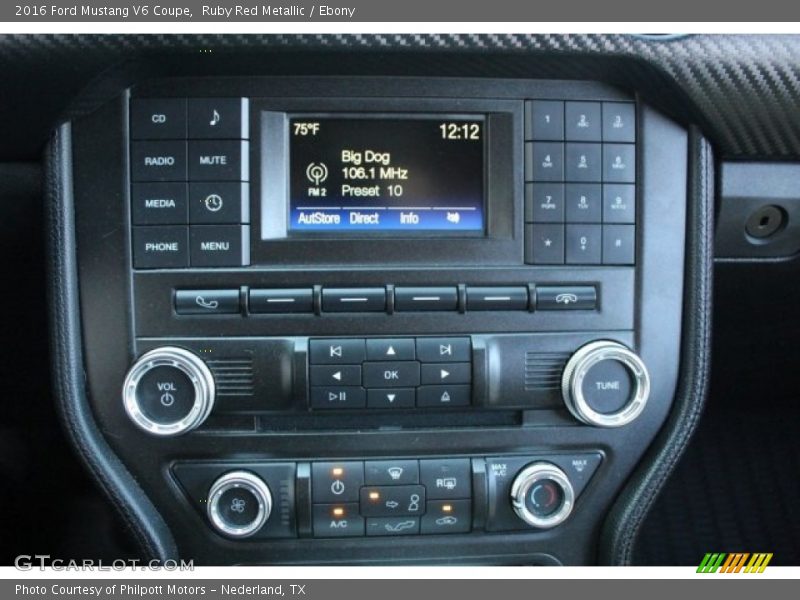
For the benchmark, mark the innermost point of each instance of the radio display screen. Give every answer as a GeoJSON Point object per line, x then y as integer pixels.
{"type": "Point", "coordinates": [394, 175]}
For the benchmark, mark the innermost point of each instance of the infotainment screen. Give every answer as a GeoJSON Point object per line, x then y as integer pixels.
{"type": "Point", "coordinates": [386, 174]}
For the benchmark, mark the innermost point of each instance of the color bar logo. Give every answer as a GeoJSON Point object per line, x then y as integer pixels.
{"type": "Point", "coordinates": [734, 563]}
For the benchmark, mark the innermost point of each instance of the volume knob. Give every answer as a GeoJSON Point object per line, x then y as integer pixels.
{"type": "Point", "coordinates": [168, 391]}
{"type": "Point", "coordinates": [605, 384]}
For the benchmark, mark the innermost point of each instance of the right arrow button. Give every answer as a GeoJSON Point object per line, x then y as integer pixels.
{"type": "Point", "coordinates": [451, 373]}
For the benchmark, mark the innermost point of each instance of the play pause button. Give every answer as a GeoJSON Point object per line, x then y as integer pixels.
{"type": "Point", "coordinates": [338, 397]}
{"type": "Point", "coordinates": [391, 398]}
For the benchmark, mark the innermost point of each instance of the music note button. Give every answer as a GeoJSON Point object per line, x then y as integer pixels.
{"type": "Point", "coordinates": [218, 118]}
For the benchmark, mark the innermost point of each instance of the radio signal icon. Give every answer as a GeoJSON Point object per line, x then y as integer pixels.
{"type": "Point", "coordinates": [317, 173]}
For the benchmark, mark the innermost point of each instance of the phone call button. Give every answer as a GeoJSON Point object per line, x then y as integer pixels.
{"type": "Point", "coordinates": [206, 302]}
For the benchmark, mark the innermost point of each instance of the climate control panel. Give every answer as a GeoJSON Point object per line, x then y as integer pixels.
{"type": "Point", "coordinates": [387, 497]}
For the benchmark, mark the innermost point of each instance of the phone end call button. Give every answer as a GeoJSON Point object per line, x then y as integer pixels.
{"type": "Point", "coordinates": [206, 302]}
{"type": "Point", "coordinates": [572, 297]}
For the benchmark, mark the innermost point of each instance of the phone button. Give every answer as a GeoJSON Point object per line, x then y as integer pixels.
{"type": "Point", "coordinates": [573, 297]}
{"type": "Point", "coordinates": [206, 302]}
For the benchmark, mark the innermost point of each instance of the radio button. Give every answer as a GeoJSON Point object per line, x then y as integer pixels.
{"type": "Point", "coordinates": [447, 516]}
{"type": "Point", "coordinates": [158, 161]}
{"type": "Point", "coordinates": [338, 397]}
{"type": "Point", "coordinates": [158, 118]}
{"type": "Point", "coordinates": [206, 302]}
{"type": "Point", "coordinates": [220, 245]}
{"type": "Point", "coordinates": [582, 121]}
{"type": "Point", "coordinates": [281, 301]}
{"type": "Point", "coordinates": [446, 478]}
{"type": "Point", "coordinates": [213, 203]}
{"type": "Point", "coordinates": [391, 374]}
{"type": "Point", "coordinates": [425, 298]}
{"type": "Point", "coordinates": [566, 297]}
{"type": "Point", "coordinates": [544, 244]}
{"type": "Point", "coordinates": [218, 118]}
{"type": "Point", "coordinates": [354, 299]}
{"type": "Point", "coordinates": [391, 398]}
{"type": "Point", "coordinates": [584, 203]}
{"type": "Point", "coordinates": [544, 161]}
{"type": "Point", "coordinates": [583, 162]}
{"type": "Point", "coordinates": [391, 472]}
{"type": "Point", "coordinates": [378, 526]}
{"type": "Point", "coordinates": [583, 244]}
{"type": "Point", "coordinates": [158, 203]}
{"type": "Point", "coordinates": [390, 349]}
{"type": "Point", "coordinates": [439, 350]}
{"type": "Point", "coordinates": [336, 481]}
{"type": "Point", "coordinates": [160, 247]}
{"type": "Point", "coordinates": [331, 352]}
{"type": "Point", "coordinates": [335, 375]}
{"type": "Point", "coordinates": [497, 298]}
{"type": "Point", "coordinates": [448, 373]}
{"type": "Point", "coordinates": [219, 161]}
{"type": "Point", "coordinates": [337, 520]}
{"type": "Point", "coordinates": [443, 396]}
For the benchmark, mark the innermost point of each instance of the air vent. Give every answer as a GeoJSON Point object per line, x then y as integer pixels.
{"type": "Point", "coordinates": [233, 377]}
{"type": "Point", "coordinates": [543, 370]}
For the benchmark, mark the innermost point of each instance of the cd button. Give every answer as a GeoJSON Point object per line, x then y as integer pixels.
{"type": "Point", "coordinates": [391, 374]}
{"type": "Point", "coordinates": [432, 396]}
{"type": "Point", "coordinates": [158, 118]}
{"type": "Point", "coordinates": [354, 299]}
{"type": "Point", "coordinates": [390, 349]}
{"type": "Point", "coordinates": [444, 349]}
{"type": "Point", "coordinates": [425, 298]}
{"type": "Point", "coordinates": [206, 302]}
{"type": "Point", "coordinates": [336, 481]}
{"type": "Point", "coordinates": [347, 351]}
{"type": "Point", "coordinates": [446, 373]}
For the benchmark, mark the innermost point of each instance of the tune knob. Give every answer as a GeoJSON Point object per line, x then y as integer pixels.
{"type": "Point", "coordinates": [605, 384]}
{"type": "Point", "coordinates": [542, 495]}
{"type": "Point", "coordinates": [168, 391]}
{"type": "Point", "coordinates": [239, 503]}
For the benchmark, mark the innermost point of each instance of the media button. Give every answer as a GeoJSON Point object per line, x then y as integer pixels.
{"type": "Point", "coordinates": [226, 160]}
{"type": "Point", "coordinates": [446, 478]}
{"type": "Point", "coordinates": [158, 203]}
{"type": "Point", "coordinates": [437, 350]}
{"type": "Point", "coordinates": [443, 396]}
{"type": "Point", "coordinates": [220, 245]}
{"type": "Point", "coordinates": [337, 520]}
{"type": "Point", "coordinates": [391, 398]}
{"type": "Point", "coordinates": [336, 481]}
{"type": "Point", "coordinates": [338, 397]}
{"type": "Point", "coordinates": [390, 349]}
{"type": "Point", "coordinates": [425, 298]}
{"type": "Point", "coordinates": [158, 161]}
{"type": "Point", "coordinates": [391, 374]}
{"type": "Point", "coordinates": [158, 118]}
{"type": "Point", "coordinates": [160, 247]}
{"type": "Point", "coordinates": [206, 302]}
{"type": "Point", "coordinates": [447, 516]}
{"type": "Point", "coordinates": [330, 352]}
{"type": "Point", "coordinates": [223, 202]}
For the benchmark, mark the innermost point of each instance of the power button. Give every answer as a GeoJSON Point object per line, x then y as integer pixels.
{"type": "Point", "coordinates": [336, 482]}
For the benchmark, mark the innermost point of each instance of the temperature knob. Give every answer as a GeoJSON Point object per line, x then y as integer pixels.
{"type": "Point", "coordinates": [605, 384]}
{"type": "Point", "coordinates": [239, 503]}
{"type": "Point", "coordinates": [168, 391]}
{"type": "Point", "coordinates": [542, 495]}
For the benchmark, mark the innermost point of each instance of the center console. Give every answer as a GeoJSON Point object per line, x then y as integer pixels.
{"type": "Point", "coordinates": [430, 319]}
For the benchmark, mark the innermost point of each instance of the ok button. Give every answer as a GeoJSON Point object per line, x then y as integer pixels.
{"type": "Point", "coordinates": [391, 374]}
